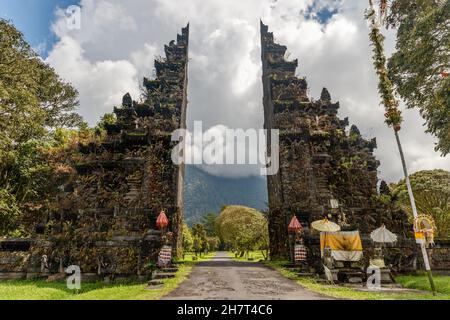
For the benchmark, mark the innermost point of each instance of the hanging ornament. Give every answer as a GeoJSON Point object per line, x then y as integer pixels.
{"type": "Point", "coordinates": [383, 10]}
{"type": "Point", "coordinates": [394, 117]}
{"type": "Point", "coordinates": [295, 226]}
{"type": "Point", "coordinates": [162, 222]}
{"type": "Point", "coordinates": [424, 229]}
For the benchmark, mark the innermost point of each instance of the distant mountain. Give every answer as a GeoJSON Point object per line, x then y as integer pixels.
{"type": "Point", "coordinates": [204, 193]}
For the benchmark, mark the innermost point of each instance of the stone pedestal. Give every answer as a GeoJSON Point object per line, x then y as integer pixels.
{"type": "Point", "coordinates": [386, 276]}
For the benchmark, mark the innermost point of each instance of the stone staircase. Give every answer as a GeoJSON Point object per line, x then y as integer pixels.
{"type": "Point", "coordinates": [323, 188]}
{"type": "Point", "coordinates": [352, 276]}
{"type": "Point", "coordinates": [161, 275]}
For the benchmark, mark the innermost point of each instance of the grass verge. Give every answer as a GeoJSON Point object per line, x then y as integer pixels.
{"type": "Point", "coordinates": [420, 282]}
{"type": "Point", "coordinates": [42, 290]}
{"type": "Point", "coordinates": [411, 282]}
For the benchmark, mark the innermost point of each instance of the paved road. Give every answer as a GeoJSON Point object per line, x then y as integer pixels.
{"type": "Point", "coordinates": [223, 278]}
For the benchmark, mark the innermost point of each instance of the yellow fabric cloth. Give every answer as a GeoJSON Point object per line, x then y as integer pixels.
{"type": "Point", "coordinates": [345, 246]}
{"type": "Point", "coordinates": [341, 241]}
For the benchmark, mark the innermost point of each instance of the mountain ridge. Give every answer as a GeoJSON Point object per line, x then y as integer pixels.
{"type": "Point", "coordinates": [204, 193]}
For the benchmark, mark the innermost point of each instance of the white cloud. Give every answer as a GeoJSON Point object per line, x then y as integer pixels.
{"type": "Point", "coordinates": [222, 151]}
{"type": "Point", "coordinates": [117, 44]}
{"type": "Point", "coordinates": [101, 83]}
{"type": "Point", "coordinates": [143, 59]}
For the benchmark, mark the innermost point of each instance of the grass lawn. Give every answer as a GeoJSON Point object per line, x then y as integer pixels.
{"type": "Point", "coordinates": [411, 282]}
{"type": "Point", "coordinates": [421, 282]}
{"type": "Point", "coordinates": [42, 290]}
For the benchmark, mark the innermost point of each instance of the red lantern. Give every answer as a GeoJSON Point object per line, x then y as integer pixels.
{"type": "Point", "coordinates": [295, 226]}
{"type": "Point", "coordinates": [162, 222]}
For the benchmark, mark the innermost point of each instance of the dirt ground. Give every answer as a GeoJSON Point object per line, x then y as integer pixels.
{"type": "Point", "coordinates": [223, 278]}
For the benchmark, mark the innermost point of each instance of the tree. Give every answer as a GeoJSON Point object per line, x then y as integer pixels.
{"type": "Point", "coordinates": [34, 103]}
{"type": "Point", "coordinates": [200, 238]}
{"type": "Point", "coordinates": [420, 66]}
{"type": "Point", "coordinates": [243, 229]}
{"type": "Point", "coordinates": [209, 222]}
{"type": "Point", "coordinates": [197, 245]}
{"type": "Point", "coordinates": [188, 241]}
{"type": "Point", "coordinates": [33, 98]}
{"type": "Point", "coordinates": [107, 119]}
{"type": "Point", "coordinates": [213, 243]}
{"type": "Point", "coordinates": [9, 212]}
{"type": "Point", "coordinates": [263, 244]}
{"type": "Point", "coordinates": [432, 194]}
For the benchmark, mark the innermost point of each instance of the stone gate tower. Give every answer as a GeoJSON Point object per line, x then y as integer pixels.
{"type": "Point", "coordinates": [324, 171]}
{"type": "Point", "coordinates": [105, 219]}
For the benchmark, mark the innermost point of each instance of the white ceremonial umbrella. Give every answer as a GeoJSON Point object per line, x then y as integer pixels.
{"type": "Point", "coordinates": [383, 235]}
{"type": "Point", "coordinates": [325, 226]}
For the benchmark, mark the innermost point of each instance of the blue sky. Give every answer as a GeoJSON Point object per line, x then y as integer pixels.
{"type": "Point", "coordinates": [34, 18]}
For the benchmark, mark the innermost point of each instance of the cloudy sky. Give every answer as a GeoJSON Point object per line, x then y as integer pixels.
{"type": "Point", "coordinates": [118, 41]}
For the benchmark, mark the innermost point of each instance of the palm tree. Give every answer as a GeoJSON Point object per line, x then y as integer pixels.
{"type": "Point", "coordinates": [393, 114]}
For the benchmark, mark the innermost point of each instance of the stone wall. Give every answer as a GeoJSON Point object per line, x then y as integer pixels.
{"type": "Point", "coordinates": [440, 257]}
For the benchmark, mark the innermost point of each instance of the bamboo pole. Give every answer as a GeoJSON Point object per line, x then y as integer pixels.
{"type": "Point", "coordinates": [415, 214]}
